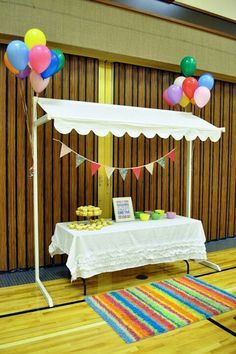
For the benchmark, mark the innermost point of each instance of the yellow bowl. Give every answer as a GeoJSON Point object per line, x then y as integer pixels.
{"type": "Point", "coordinates": [144, 216]}
{"type": "Point", "coordinates": [160, 211]}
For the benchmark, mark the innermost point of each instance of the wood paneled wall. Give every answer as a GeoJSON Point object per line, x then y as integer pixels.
{"type": "Point", "coordinates": [214, 173]}
{"type": "Point", "coordinates": [62, 187]}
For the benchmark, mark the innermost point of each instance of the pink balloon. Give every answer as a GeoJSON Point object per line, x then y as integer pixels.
{"type": "Point", "coordinates": [166, 98]}
{"type": "Point", "coordinates": [39, 58]}
{"type": "Point", "coordinates": [202, 96]}
{"type": "Point", "coordinates": [37, 82]}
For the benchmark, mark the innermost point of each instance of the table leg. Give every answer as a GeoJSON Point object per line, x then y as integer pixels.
{"type": "Point", "coordinates": [187, 266]}
{"type": "Point", "coordinates": [84, 285]}
{"type": "Point", "coordinates": [209, 264]}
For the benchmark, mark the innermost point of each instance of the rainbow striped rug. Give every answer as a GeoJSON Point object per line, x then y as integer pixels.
{"type": "Point", "coordinates": [147, 310]}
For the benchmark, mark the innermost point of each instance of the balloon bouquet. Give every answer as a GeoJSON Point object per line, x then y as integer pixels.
{"type": "Point", "coordinates": [187, 89]}
{"type": "Point", "coordinates": [34, 59]}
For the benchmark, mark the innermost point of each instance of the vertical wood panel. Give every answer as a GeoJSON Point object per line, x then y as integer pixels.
{"type": "Point", "coordinates": [231, 202]}
{"type": "Point", "coordinates": [3, 162]}
{"type": "Point", "coordinates": [21, 178]}
{"type": "Point", "coordinates": [11, 171]}
{"type": "Point", "coordinates": [29, 183]}
{"type": "Point", "coordinates": [62, 187]}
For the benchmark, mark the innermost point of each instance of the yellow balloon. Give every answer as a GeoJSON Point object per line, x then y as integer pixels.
{"type": "Point", "coordinates": [184, 101]}
{"type": "Point", "coordinates": [34, 37]}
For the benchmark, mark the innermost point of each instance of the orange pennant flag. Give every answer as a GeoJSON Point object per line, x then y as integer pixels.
{"type": "Point", "coordinates": [171, 155]}
{"type": "Point", "coordinates": [137, 172]}
{"type": "Point", "coordinates": [94, 167]}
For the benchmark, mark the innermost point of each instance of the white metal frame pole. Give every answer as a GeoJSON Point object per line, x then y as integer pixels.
{"type": "Point", "coordinates": [189, 199]}
{"type": "Point", "coordinates": [35, 193]}
{"type": "Point", "coordinates": [189, 179]}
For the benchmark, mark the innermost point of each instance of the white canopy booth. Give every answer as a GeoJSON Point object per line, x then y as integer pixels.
{"type": "Point", "coordinates": [104, 118]}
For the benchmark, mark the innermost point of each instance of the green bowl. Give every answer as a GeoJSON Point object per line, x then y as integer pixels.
{"type": "Point", "coordinates": [137, 214]}
{"type": "Point", "coordinates": [155, 216]}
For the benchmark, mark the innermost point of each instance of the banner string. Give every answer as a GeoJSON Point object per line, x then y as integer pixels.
{"type": "Point", "coordinates": [117, 168]}
{"type": "Point", "coordinates": [25, 108]}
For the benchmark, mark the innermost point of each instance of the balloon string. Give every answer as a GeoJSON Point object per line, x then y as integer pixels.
{"type": "Point", "coordinates": [25, 108]}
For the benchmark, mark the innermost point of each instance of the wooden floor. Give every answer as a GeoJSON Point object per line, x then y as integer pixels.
{"type": "Point", "coordinates": [28, 326]}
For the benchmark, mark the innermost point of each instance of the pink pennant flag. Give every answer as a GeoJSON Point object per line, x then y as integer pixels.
{"type": "Point", "coordinates": [94, 167]}
{"type": "Point", "coordinates": [109, 170]}
{"type": "Point", "coordinates": [171, 155]}
{"type": "Point", "coordinates": [64, 150]}
{"type": "Point", "coordinates": [149, 167]}
{"type": "Point", "coordinates": [137, 172]}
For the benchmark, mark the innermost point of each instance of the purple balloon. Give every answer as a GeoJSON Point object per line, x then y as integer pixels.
{"type": "Point", "coordinates": [24, 73]}
{"type": "Point", "coordinates": [175, 93]}
{"type": "Point", "coordinates": [166, 98]}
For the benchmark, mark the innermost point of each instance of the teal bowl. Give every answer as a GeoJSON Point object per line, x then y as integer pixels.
{"type": "Point", "coordinates": [155, 216]}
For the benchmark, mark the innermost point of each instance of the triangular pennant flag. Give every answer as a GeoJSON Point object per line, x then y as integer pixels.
{"type": "Point", "coordinates": [64, 150]}
{"type": "Point", "coordinates": [161, 162]}
{"type": "Point", "coordinates": [123, 172]}
{"type": "Point", "coordinates": [149, 167]}
{"type": "Point", "coordinates": [109, 170]}
{"type": "Point", "coordinates": [171, 155]}
{"type": "Point", "coordinates": [137, 171]}
{"type": "Point", "coordinates": [79, 160]}
{"type": "Point", "coordinates": [94, 167]}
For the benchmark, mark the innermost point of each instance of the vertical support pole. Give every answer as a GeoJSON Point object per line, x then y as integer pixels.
{"type": "Point", "coordinates": [35, 194]}
{"type": "Point", "coordinates": [189, 179]}
{"type": "Point", "coordinates": [105, 144]}
{"type": "Point", "coordinates": [35, 189]}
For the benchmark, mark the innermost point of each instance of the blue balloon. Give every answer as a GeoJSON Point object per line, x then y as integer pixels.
{"type": "Point", "coordinates": [18, 54]}
{"type": "Point", "coordinates": [206, 80]}
{"type": "Point", "coordinates": [52, 68]}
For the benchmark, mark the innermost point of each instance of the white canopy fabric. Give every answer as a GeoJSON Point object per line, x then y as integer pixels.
{"type": "Point", "coordinates": [117, 119]}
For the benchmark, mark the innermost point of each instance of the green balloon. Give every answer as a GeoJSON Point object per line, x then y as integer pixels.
{"type": "Point", "coordinates": [61, 58]}
{"type": "Point", "coordinates": [188, 66]}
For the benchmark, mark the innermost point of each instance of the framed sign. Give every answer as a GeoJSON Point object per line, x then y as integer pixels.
{"type": "Point", "coordinates": [123, 209]}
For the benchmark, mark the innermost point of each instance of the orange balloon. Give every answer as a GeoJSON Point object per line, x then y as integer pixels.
{"type": "Point", "coordinates": [9, 66]}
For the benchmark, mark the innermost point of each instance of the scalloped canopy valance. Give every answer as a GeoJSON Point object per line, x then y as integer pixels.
{"type": "Point", "coordinates": [118, 120]}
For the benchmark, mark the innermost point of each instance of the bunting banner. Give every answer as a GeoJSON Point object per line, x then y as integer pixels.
{"type": "Point", "coordinates": [161, 162]}
{"type": "Point", "coordinates": [110, 169]}
{"type": "Point", "coordinates": [79, 160]}
{"type": "Point", "coordinates": [94, 167]}
{"type": "Point", "coordinates": [149, 167]}
{"type": "Point", "coordinates": [137, 171]}
{"type": "Point", "coordinates": [64, 150]}
{"type": "Point", "coordinates": [171, 155]}
{"type": "Point", "coordinates": [123, 173]}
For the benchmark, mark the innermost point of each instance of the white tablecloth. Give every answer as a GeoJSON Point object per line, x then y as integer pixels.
{"type": "Point", "coordinates": [128, 245]}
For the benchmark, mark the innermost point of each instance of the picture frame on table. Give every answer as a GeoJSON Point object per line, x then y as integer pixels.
{"type": "Point", "coordinates": [123, 209]}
